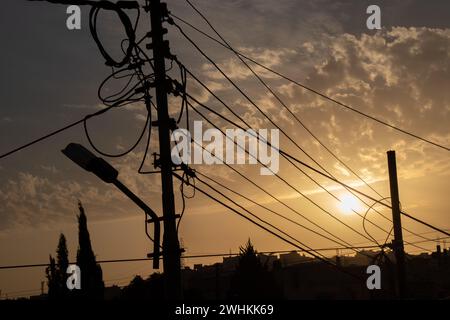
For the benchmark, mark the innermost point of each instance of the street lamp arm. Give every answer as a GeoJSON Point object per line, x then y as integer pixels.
{"type": "Point", "coordinates": [106, 172]}
{"type": "Point", "coordinates": [154, 218]}
{"type": "Point", "coordinates": [141, 204]}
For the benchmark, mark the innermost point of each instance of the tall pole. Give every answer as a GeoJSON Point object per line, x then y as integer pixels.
{"type": "Point", "coordinates": [396, 219]}
{"type": "Point", "coordinates": [171, 246]}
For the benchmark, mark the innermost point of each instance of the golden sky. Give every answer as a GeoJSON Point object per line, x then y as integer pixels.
{"type": "Point", "coordinates": [399, 74]}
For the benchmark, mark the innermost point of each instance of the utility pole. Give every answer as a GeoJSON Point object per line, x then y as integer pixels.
{"type": "Point", "coordinates": [397, 243]}
{"type": "Point", "coordinates": [171, 246]}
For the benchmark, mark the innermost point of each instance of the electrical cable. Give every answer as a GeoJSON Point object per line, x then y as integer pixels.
{"type": "Point", "coordinates": [128, 30]}
{"type": "Point", "coordinates": [277, 175]}
{"type": "Point", "coordinates": [320, 172]}
{"type": "Point", "coordinates": [51, 134]}
{"type": "Point", "coordinates": [283, 203]}
{"type": "Point", "coordinates": [267, 208]}
{"type": "Point", "coordinates": [121, 154]}
{"type": "Point", "coordinates": [322, 95]}
{"type": "Point", "coordinates": [296, 118]}
{"type": "Point", "coordinates": [268, 230]}
{"type": "Point", "coordinates": [364, 219]}
{"type": "Point", "coordinates": [278, 127]}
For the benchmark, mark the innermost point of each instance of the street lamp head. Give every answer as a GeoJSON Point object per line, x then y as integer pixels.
{"type": "Point", "coordinates": [89, 162]}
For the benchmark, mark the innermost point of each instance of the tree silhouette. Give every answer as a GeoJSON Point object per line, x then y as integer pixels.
{"type": "Point", "coordinates": [52, 279]}
{"type": "Point", "coordinates": [62, 259]}
{"type": "Point", "coordinates": [148, 289]}
{"type": "Point", "coordinates": [92, 285]}
{"type": "Point", "coordinates": [56, 271]}
{"type": "Point", "coordinates": [136, 290]}
{"type": "Point", "coordinates": [252, 280]}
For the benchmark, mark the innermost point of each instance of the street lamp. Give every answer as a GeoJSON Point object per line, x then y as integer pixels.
{"type": "Point", "coordinates": [102, 169]}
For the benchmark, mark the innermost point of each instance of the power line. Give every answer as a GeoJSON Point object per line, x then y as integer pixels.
{"type": "Point", "coordinates": [433, 240]}
{"type": "Point", "coordinates": [278, 127]}
{"type": "Point", "coordinates": [51, 134]}
{"type": "Point", "coordinates": [351, 190]}
{"type": "Point", "coordinates": [285, 154]}
{"type": "Point", "coordinates": [428, 240]}
{"type": "Point", "coordinates": [197, 256]}
{"type": "Point", "coordinates": [253, 215]}
{"type": "Point", "coordinates": [266, 229]}
{"type": "Point", "coordinates": [131, 58]}
{"type": "Point", "coordinates": [310, 167]}
{"type": "Point", "coordinates": [278, 98]}
{"type": "Point", "coordinates": [281, 152]}
{"type": "Point", "coordinates": [289, 160]}
{"type": "Point", "coordinates": [240, 206]}
{"type": "Point", "coordinates": [104, 110]}
{"type": "Point", "coordinates": [121, 154]}
{"type": "Point", "coordinates": [265, 192]}
{"type": "Point", "coordinates": [340, 242]}
{"type": "Point", "coordinates": [295, 189]}
{"type": "Point", "coordinates": [273, 123]}
{"type": "Point", "coordinates": [324, 96]}
{"type": "Point", "coordinates": [364, 225]}
{"type": "Point", "coordinates": [282, 216]}
{"type": "Point", "coordinates": [212, 255]}
{"type": "Point", "coordinates": [281, 178]}
{"type": "Point", "coordinates": [14, 294]}
{"type": "Point", "coordinates": [245, 95]}
{"type": "Point", "coordinates": [264, 207]}
{"type": "Point", "coordinates": [295, 222]}
{"type": "Point", "coordinates": [231, 110]}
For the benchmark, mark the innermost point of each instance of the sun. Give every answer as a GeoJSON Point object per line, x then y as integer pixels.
{"type": "Point", "coordinates": [349, 204]}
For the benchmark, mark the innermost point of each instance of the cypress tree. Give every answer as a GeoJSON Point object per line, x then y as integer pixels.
{"type": "Point", "coordinates": [92, 285]}
{"type": "Point", "coordinates": [52, 281]}
{"type": "Point", "coordinates": [62, 263]}
{"type": "Point", "coordinates": [56, 271]}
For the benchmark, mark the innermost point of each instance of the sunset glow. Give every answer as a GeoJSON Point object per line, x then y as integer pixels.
{"type": "Point", "coordinates": [349, 205]}
{"type": "Point", "coordinates": [311, 135]}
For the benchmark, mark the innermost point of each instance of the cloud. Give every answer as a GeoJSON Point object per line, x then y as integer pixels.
{"type": "Point", "coordinates": [50, 169]}
{"type": "Point", "coordinates": [236, 70]}
{"type": "Point", "coordinates": [31, 199]}
{"type": "Point", "coordinates": [399, 75]}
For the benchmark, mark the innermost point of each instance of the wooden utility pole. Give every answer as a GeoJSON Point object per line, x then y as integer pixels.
{"type": "Point", "coordinates": [171, 246]}
{"type": "Point", "coordinates": [397, 243]}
